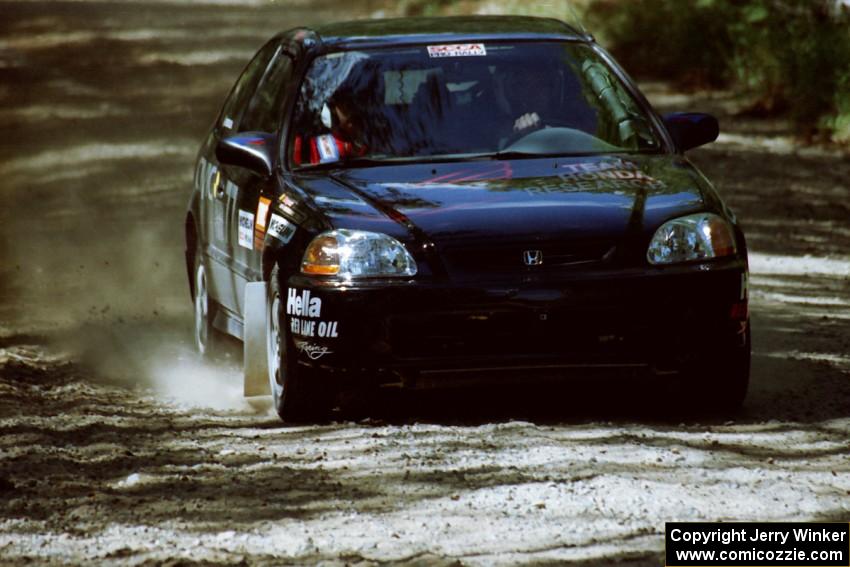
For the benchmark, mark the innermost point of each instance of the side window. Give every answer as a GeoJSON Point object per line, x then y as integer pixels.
{"type": "Point", "coordinates": [234, 106]}
{"type": "Point", "coordinates": [263, 110]}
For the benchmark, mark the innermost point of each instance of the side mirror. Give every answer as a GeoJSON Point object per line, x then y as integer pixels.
{"type": "Point", "coordinates": [251, 150]}
{"type": "Point", "coordinates": [691, 129]}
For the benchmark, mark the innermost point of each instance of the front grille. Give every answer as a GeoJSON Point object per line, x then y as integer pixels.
{"type": "Point", "coordinates": [510, 257]}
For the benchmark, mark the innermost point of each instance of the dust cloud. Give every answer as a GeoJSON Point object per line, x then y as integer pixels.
{"type": "Point", "coordinates": [188, 382]}
{"type": "Point", "coordinates": [104, 106]}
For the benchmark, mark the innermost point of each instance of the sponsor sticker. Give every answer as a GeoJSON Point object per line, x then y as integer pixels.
{"type": "Point", "coordinates": [246, 229]}
{"type": "Point", "coordinates": [328, 150]}
{"type": "Point", "coordinates": [303, 305]}
{"type": "Point", "coordinates": [260, 220]}
{"type": "Point", "coordinates": [308, 328]}
{"type": "Point", "coordinates": [214, 183]}
{"type": "Point", "coordinates": [314, 352]}
{"type": "Point", "coordinates": [281, 228]}
{"type": "Point", "coordinates": [457, 50]}
{"type": "Point", "coordinates": [227, 123]}
{"type": "Point", "coordinates": [605, 175]}
{"type": "Point", "coordinates": [285, 202]}
{"type": "Point", "coordinates": [263, 212]}
{"type": "Point", "coordinates": [305, 310]}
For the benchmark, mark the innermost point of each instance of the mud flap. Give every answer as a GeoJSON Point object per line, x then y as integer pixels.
{"type": "Point", "coordinates": [256, 373]}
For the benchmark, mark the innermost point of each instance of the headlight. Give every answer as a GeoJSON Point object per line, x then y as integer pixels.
{"type": "Point", "coordinates": [694, 237]}
{"type": "Point", "coordinates": [357, 254]}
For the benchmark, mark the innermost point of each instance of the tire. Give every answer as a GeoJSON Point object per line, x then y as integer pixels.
{"type": "Point", "coordinates": [736, 381]}
{"type": "Point", "coordinates": [300, 394]}
{"type": "Point", "coordinates": [207, 338]}
{"type": "Point", "coordinates": [723, 384]}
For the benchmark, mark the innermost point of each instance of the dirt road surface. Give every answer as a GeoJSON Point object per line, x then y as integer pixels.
{"type": "Point", "coordinates": [117, 447]}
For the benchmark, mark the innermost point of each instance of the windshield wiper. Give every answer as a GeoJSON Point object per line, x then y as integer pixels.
{"type": "Point", "coordinates": [343, 164]}
{"type": "Point", "coordinates": [518, 154]}
{"type": "Point", "coordinates": [373, 161]}
{"type": "Point", "coordinates": [454, 158]}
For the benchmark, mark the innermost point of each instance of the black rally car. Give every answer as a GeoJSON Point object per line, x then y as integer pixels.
{"type": "Point", "coordinates": [434, 202]}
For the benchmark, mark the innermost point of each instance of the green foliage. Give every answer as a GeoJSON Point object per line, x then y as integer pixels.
{"type": "Point", "coordinates": [543, 8]}
{"type": "Point", "coordinates": [794, 55]}
{"type": "Point", "coordinates": [839, 124]}
{"type": "Point", "coordinates": [654, 38]}
{"type": "Point", "coordinates": [424, 7]}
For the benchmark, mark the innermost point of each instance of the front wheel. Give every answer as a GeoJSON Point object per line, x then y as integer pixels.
{"type": "Point", "coordinates": [722, 383]}
{"type": "Point", "coordinates": [299, 393]}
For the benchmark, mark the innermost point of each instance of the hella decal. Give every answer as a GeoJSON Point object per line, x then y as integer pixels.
{"type": "Point", "coordinates": [305, 310]}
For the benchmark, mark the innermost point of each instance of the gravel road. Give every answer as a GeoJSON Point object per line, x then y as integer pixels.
{"type": "Point", "coordinates": [118, 447]}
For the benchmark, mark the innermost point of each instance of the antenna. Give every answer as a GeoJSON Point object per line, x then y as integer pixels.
{"type": "Point", "coordinates": [571, 17]}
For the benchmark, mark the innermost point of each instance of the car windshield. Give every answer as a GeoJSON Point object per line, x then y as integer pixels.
{"type": "Point", "coordinates": [484, 100]}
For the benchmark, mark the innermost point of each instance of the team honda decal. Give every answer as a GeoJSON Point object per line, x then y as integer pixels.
{"type": "Point", "coordinates": [608, 174]}
{"type": "Point", "coordinates": [305, 310]}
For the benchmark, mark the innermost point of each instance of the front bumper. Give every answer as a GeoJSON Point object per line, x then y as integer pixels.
{"type": "Point", "coordinates": [649, 321]}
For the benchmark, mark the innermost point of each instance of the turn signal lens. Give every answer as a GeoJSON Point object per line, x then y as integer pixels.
{"type": "Point", "coordinates": [739, 311]}
{"type": "Point", "coordinates": [322, 256]}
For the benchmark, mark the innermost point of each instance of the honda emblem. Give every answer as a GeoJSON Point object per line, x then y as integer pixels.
{"type": "Point", "coordinates": [533, 257]}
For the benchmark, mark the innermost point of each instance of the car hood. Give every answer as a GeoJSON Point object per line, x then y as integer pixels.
{"type": "Point", "coordinates": [486, 215]}
{"type": "Point", "coordinates": [587, 197]}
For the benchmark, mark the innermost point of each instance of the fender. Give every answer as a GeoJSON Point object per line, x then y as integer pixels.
{"type": "Point", "coordinates": [256, 364]}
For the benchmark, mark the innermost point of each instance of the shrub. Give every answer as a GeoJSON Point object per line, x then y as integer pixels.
{"type": "Point", "coordinates": [792, 55]}
{"type": "Point", "coordinates": [686, 39]}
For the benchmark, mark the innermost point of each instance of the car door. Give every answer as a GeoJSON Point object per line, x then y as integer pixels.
{"type": "Point", "coordinates": [221, 189]}
{"type": "Point", "coordinates": [252, 194]}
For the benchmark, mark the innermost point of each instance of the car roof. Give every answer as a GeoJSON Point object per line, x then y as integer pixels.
{"type": "Point", "coordinates": [401, 31]}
